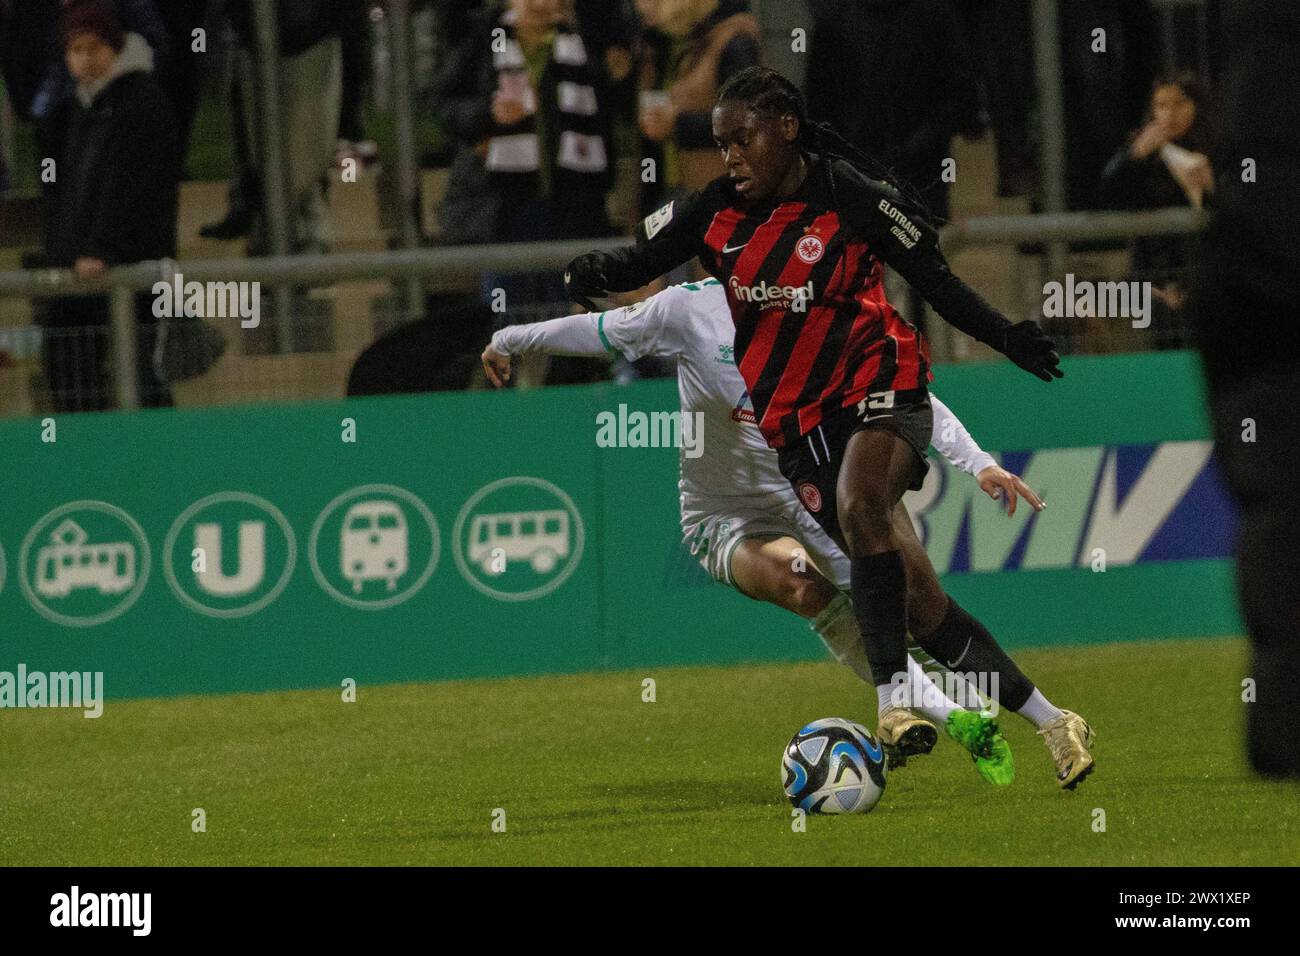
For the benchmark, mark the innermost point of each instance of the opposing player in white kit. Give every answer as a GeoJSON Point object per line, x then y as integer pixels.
{"type": "Point", "coordinates": [745, 523]}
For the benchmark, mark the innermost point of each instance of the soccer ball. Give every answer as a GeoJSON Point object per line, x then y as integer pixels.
{"type": "Point", "coordinates": [833, 766]}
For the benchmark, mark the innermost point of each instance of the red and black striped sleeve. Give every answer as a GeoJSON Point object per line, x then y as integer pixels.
{"type": "Point", "coordinates": [897, 233]}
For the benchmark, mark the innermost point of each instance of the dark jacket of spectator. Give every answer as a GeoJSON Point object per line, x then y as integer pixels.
{"type": "Point", "coordinates": [302, 23]}
{"type": "Point", "coordinates": [470, 208]}
{"type": "Point", "coordinates": [563, 152]}
{"type": "Point", "coordinates": [1129, 183]}
{"type": "Point", "coordinates": [116, 193]}
{"type": "Point", "coordinates": [897, 79]}
{"type": "Point", "coordinates": [114, 201]}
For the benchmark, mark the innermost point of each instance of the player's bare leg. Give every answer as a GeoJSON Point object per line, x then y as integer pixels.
{"type": "Point", "coordinates": [779, 571]}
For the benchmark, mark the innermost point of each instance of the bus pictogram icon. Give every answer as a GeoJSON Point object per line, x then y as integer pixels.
{"type": "Point", "coordinates": [518, 538]}
{"type": "Point", "coordinates": [538, 538]}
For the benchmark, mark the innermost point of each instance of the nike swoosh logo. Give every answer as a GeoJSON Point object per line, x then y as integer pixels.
{"type": "Point", "coordinates": [962, 655]}
{"type": "Point", "coordinates": [734, 248]}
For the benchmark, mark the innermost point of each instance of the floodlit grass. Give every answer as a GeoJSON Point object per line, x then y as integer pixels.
{"type": "Point", "coordinates": [587, 773]}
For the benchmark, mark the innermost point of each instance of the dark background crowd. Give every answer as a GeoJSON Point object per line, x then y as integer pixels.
{"type": "Point", "coordinates": [536, 105]}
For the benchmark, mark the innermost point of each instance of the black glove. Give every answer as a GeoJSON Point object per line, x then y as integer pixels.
{"type": "Point", "coordinates": [1026, 345]}
{"type": "Point", "coordinates": [584, 279]}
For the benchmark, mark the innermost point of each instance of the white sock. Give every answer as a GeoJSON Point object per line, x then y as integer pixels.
{"type": "Point", "coordinates": [838, 629]}
{"type": "Point", "coordinates": [1038, 710]}
{"type": "Point", "coordinates": [927, 697]}
{"type": "Point", "coordinates": [888, 696]}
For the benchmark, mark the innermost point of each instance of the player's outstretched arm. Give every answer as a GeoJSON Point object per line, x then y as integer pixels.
{"type": "Point", "coordinates": [568, 335]}
{"type": "Point", "coordinates": [665, 239]}
{"type": "Point", "coordinates": [900, 236]}
{"type": "Point", "coordinates": [954, 442]}
{"type": "Point", "coordinates": [634, 331]}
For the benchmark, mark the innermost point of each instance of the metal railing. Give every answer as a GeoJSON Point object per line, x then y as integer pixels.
{"type": "Point", "coordinates": [1073, 227]}
{"type": "Point", "coordinates": [443, 267]}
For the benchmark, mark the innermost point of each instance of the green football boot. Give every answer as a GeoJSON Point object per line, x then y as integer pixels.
{"type": "Point", "coordinates": [979, 734]}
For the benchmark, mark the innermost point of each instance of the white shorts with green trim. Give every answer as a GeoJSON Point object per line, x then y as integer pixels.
{"type": "Point", "coordinates": [712, 529]}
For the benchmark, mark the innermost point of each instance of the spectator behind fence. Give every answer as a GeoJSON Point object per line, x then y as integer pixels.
{"type": "Point", "coordinates": [897, 78]}
{"type": "Point", "coordinates": [469, 209]}
{"type": "Point", "coordinates": [689, 49]}
{"type": "Point", "coordinates": [115, 201]}
{"type": "Point", "coordinates": [179, 74]}
{"type": "Point", "coordinates": [1165, 165]}
{"type": "Point", "coordinates": [35, 74]}
{"type": "Point", "coordinates": [534, 110]}
{"type": "Point", "coordinates": [311, 90]}
{"type": "Point", "coordinates": [355, 36]}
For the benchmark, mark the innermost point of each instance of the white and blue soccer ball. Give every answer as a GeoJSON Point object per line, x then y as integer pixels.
{"type": "Point", "coordinates": [833, 766]}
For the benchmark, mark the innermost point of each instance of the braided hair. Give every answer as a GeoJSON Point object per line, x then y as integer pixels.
{"type": "Point", "coordinates": [766, 91]}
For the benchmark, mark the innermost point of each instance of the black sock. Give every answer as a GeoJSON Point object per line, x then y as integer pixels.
{"type": "Point", "coordinates": [878, 588]}
{"type": "Point", "coordinates": [962, 644]}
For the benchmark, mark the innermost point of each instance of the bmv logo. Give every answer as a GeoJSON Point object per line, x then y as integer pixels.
{"type": "Point", "coordinates": [1120, 504]}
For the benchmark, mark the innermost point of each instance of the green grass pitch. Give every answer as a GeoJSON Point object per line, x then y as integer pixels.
{"type": "Point", "coordinates": [588, 773]}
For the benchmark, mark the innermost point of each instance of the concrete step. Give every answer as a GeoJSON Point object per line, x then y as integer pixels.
{"type": "Point", "coordinates": [354, 218]}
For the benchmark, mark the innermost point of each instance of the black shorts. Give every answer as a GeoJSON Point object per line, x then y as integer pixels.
{"type": "Point", "coordinates": [812, 464]}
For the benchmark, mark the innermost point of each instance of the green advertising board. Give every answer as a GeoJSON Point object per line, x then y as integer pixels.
{"type": "Point", "coordinates": [472, 534]}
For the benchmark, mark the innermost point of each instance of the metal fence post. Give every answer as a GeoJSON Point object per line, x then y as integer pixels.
{"type": "Point", "coordinates": [126, 347]}
{"type": "Point", "coordinates": [1051, 118]}
{"type": "Point", "coordinates": [408, 193]}
{"type": "Point", "coordinates": [275, 178]}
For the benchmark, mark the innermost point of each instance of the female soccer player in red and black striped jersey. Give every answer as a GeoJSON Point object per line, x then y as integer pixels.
{"type": "Point", "coordinates": [799, 233]}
